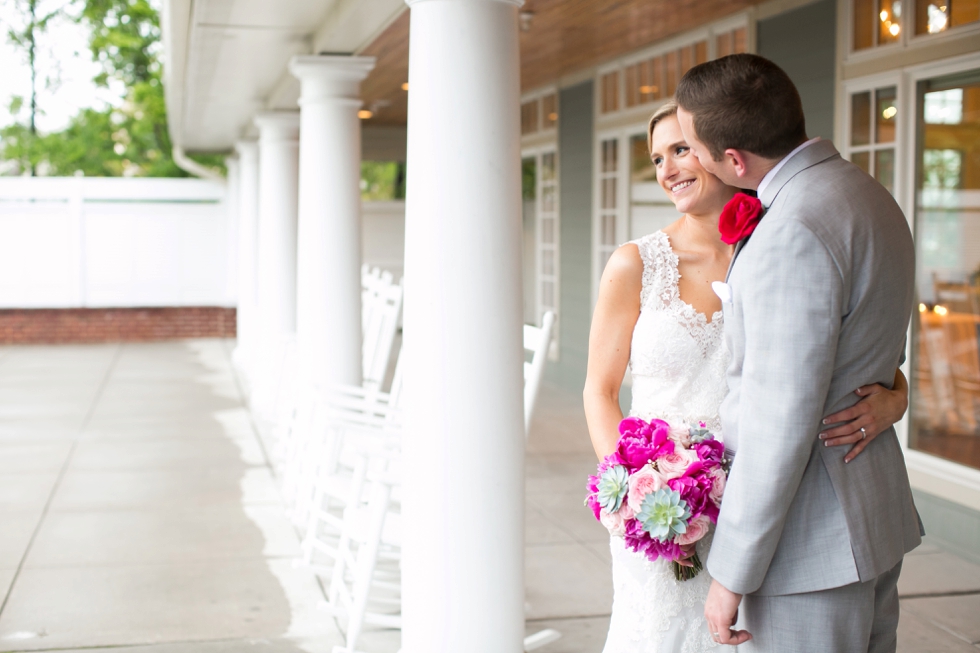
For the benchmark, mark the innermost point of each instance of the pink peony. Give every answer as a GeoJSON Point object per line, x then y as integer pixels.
{"type": "Point", "coordinates": [642, 483]}
{"type": "Point", "coordinates": [696, 529]}
{"type": "Point", "coordinates": [641, 443]}
{"type": "Point", "coordinates": [718, 488]}
{"type": "Point", "coordinates": [616, 522]}
{"type": "Point", "coordinates": [681, 434]}
{"type": "Point", "coordinates": [710, 450]}
{"type": "Point", "coordinates": [675, 464]}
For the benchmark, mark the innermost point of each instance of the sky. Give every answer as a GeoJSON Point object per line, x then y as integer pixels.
{"type": "Point", "coordinates": [63, 58]}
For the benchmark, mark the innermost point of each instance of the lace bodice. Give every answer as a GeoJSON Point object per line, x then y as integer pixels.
{"type": "Point", "coordinates": [677, 358]}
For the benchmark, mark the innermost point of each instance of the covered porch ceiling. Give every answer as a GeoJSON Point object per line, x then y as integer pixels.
{"type": "Point", "coordinates": [227, 59]}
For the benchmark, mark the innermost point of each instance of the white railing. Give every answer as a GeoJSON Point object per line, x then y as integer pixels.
{"type": "Point", "coordinates": [97, 242]}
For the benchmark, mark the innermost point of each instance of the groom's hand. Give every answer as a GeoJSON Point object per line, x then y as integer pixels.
{"type": "Point", "coordinates": [721, 611]}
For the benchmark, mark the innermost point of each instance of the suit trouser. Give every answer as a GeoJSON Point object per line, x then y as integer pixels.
{"type": "Point", "coordinates": [856, 618]}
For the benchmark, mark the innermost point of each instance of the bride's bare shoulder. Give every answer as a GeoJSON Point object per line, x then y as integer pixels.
{"type": "Point", "coordinates": [625, 261]}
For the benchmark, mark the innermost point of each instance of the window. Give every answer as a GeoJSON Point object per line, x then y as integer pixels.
{"type": "Point", "coordinates": [650, 208]}
{"type": "Point", "coordinates": [876, 22]}
{"type": "Point", "coordinates": [608, 224]}
{"type": "Point", "coordinates": [541, 234]}
{"type": "Point", "coordinates": [935, 16]}
{"type": "Point", "coordinates": [871, 143]}
{"type": "Point", "coordinates": [539, 114]}
{"type": "Point", "coordinates": [945, 416]}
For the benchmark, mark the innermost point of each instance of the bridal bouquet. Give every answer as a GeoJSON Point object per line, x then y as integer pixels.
{"type": "Point", "coordinates": [661, 490]}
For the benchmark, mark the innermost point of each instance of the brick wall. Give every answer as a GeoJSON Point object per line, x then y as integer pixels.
{"type": "Point", "coordinates": [27, 326]}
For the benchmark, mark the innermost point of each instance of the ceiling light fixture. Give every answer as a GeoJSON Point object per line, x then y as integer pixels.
{"type": "Point", "coordinates": [526, 17]}
{"type": "Point", "coordinates": [365, 114]}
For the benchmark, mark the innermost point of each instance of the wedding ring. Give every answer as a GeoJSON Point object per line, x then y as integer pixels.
{"type": "Point", "coordinates": [864, 433]}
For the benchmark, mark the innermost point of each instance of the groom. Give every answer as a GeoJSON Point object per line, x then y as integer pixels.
{"type": "Point", "coordinates": [817, 303]}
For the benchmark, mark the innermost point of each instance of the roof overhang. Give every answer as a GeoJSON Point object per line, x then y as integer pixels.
{"type": "Point", "coordinates": [226, 60]}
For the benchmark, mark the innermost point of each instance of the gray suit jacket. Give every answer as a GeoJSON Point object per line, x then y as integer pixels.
{"type": "Point", "coordinates": [822, 294]}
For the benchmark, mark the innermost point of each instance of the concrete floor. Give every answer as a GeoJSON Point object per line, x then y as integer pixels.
{"type": "Point", "coordinates": [138, 514]}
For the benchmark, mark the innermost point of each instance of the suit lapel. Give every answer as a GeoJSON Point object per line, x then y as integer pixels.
{"type": "Point", "coordinates": [738, 248]}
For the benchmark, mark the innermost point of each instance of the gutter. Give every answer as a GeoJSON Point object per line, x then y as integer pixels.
{"type": "Point", "coordinates": [191, 166]}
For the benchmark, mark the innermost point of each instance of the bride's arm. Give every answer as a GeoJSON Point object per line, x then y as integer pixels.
{"type": "Point", "coordinates": [616, 312]}
{"type": "Point", "coordinates": [879, 409]}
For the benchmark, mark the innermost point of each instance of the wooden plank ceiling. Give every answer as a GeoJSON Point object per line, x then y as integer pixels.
{"type": "Point", "coordinates": [565, 36]}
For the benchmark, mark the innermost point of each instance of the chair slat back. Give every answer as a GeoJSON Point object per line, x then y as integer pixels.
{"type": "Point", "coordinates": [536, 341]}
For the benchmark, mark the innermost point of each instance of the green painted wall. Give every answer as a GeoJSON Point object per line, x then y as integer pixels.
{"type": "Point", "coordinates": [575, 133]}
{"type": "Point", "coordinates": [802, 42]}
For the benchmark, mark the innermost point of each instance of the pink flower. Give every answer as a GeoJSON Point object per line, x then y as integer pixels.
{"type": "Point", "coordinates": [681, 434]}
{"type": "Point", "coordinates": [718, 488]}
{"type": "Point", "coordinates": [696, 529]}
{"type": "Point", "coordinates": [642, 483]}
{"type": "Point", "coordinates": [616, 522]}
{"type": "Point", "coordinates": [641, 443]}
{"type": "Point", "coordinates": [675, 464]}
{"type": "Point", "coordinates": [710, 450]}
{"type": "Point", "coordinates": [640, 541]}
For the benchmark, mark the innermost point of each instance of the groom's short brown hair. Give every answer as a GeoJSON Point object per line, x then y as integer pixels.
{"type": "Point", "coordinates": [744, 102]}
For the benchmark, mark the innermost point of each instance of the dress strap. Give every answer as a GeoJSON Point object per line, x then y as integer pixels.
{"type": "Point", "coordinates": [659, 268]}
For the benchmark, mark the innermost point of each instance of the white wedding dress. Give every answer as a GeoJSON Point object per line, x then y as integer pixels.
{"type": "Point", "coordinates": [678, 361]}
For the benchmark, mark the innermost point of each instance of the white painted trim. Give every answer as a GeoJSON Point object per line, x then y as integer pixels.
{"type": "Point", "coordinates": [945, 479]}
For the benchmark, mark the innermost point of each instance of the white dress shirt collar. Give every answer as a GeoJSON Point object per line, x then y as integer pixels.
{"type": "Point", "coordinates": [772, 173]}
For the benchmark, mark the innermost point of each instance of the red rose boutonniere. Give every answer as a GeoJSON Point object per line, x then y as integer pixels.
{"type": "Point", "coordinates": [739, 218]}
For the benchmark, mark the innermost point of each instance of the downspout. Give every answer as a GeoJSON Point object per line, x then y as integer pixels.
{"type": "Point", "coordinates": [191, 166]}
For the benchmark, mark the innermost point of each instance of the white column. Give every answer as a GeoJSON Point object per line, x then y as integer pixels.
{"type": "Point", "coordinates": [248, 207]}
{"type": "Point", "coordinates": [328, 285]}
{"type": "Point", "coordinates": [276, 283]}
{"type": "Point", "coordinates": [463, 569]}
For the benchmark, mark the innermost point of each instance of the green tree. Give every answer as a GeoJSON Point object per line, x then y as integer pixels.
{"type": "Point", "coordinates": [34, 20]}
{"type": "Point", "coordinates": [130, 139]}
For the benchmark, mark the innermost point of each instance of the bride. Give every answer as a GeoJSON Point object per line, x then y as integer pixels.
{"type": "Point", "coordinates": [656, 312]}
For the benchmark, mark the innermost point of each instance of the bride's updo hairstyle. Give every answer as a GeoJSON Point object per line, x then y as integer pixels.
{"type": "Point", "coordinates": [667, 109]}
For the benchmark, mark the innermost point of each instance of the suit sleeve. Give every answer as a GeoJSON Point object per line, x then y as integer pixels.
{"type": "Point", "coordinates": [789, 290]}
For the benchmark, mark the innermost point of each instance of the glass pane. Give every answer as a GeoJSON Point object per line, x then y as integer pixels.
{"type": "Point", "coordinates": [946, 358]}
{"type": "Point", "coordinates": [962, 12]}
{"type": "Point", "coordinates": [885, 113]}
{"type": "Point", "coordinates": [548, 230]}
{"type": "Point", "coordinates": [547, 262]}
{"type": "Point", "coordinates": [657, 66]}
{"type": "Point", "coordinates": [529, 117]}
{"type": "Point", "coordinates": [609, 230]}
{"type": "Point", "coordinates": [723, 45]}
{"type": "Point", "coordinates": [548, 166]}
{"type": "Point", "coordinates": [862, 160]}
{"type": "Point", "coordinates": [700, 52]}
{"type": "Point", "coordinates": [738, 41]}
{"type": "Point", "coordinates": [610, 92]}
{"type": "Point", "coordinates": [863, 26]}
{"type": "Point", "coordinates": [670, 63]}
{"type": "Point", "coordinates": [609, 155]}
{"type": "Point", "coordinates": [548, 294]}
{"type": "Point", "coordinates": [529, 178]}
{"type": "Point", "coordinates": [609, 193]}
{"type": "Point", "coordinates": [889, 21]}
{"type": "Point", "coordinates": [861, 118]}
{"type": "Point", "coordinates": [885, 169]}
{"type": "Point", "coordinates": [549, 110]}
{"type": "Point", "coordinates": [632, 78]}
{"type": "Point", "coordinates": [931, 16]}
{"type": "Point", "coordinates": [687, 59]}
{"type": "Point", "coordinates": [548, 198]}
